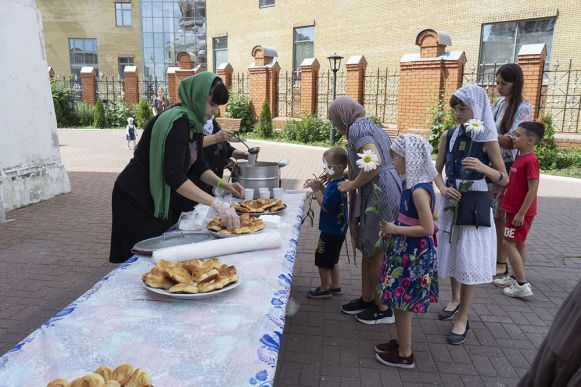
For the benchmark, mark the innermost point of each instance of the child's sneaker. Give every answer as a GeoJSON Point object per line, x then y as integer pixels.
{"type": "Point", "coordinates": [504, 282]}
{"type": "Point", "coordinates": [518, 291]}
{"type": "Point", "coordinates": [317, 293]}
{"type": "Point", "coordinates": [393, 359]}
{"type": "Point", "coordinates": [375, 315]}
{"type": "Point", "coordinates": [392, 345]}
{"type": "Point", "coordinates": [356, 306]}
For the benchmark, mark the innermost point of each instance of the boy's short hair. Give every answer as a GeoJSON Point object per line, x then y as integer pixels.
{"type": "Point", "coordinates": [455, 101]}
{"type": "Point", "coordinates": [534, 129]}
{"type": "Point", "coordinates": [337, 155]}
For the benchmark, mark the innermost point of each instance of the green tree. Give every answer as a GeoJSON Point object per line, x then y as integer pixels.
{"type": "Point", "coordinates": [142, 113]}
{"type": "Point", "coordinates": [264, 126]}
{"type": "Point", "coordinates": [99, 119]}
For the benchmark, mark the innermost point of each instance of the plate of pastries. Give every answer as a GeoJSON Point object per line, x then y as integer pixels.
{"type": "Point", "coordinates": [196, 278]}
{"type": "Point", "coordinates": [125, 375]}
{"type": "Point", "coordinates": [260, 206]}
{"type": "Point", "coordinates": [248, 225]}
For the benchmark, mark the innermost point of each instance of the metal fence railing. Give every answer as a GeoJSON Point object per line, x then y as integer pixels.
{"type": "Point", "coordinates": [561, 97]}
{"type": "Point", "coordinates": [148, 88]}
{"type": "Point", "coordinates": [325, 90]}
{"type": "Point", "coordinates": [380, 94]}
{"type": "Point", "coordinates": [239, 84]}
{"type": "Point", "coordinates": [289, 95]}
{"type": "Point", "coordinates": [109, 88]}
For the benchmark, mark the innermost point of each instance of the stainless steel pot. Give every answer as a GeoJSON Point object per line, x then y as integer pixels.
{"type": "Point", "coordinates": [261, 174]}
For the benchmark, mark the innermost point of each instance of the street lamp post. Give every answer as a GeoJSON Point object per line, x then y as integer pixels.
{"type": "Point", "coordinates": [335, 64]}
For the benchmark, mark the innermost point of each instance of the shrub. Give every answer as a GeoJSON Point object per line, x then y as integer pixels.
{"type": "Point", "coordinates": [62, 97]}
{"type": "Point", "coordinates": [99, 119]}
{"type": "Point", "coordinates": [375, 120]}
{"type": "Point", "coordinates": [116, 114]}
{"type": "Point", "coordinates": [238, 106]}
{"type": "Point", "coordinates": [441, 119]}
{"type": "Point", "coordinates": [142, 113]}
{"type": "Point", "coordinates": [84, 113]}
{"type": "Point", "coordinates": [568, 157]}
{"type": "Point", "coordinates": [264, 126]}
{"type": "Point", "coordinates": [310, 129]}
{"type": "Point", "coordinates": [547, 150]}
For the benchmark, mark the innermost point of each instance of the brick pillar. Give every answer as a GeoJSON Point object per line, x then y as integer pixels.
{"type": "Point", "coordinates": [50, 72]}
{"type": "Point", "coordinates": [263, 80]}
{"type": "Point", "coordinates": [187, 62]}
{"type": "Point", "coordinates": [531, 59]}
{"type": "Point", "coordinates": [225, 71]}
{"type": "Point", "coordinates": [89, 85]}
{"type": "Point", "coordinates": [131, 85]}
{"type": "Point", "coordinates": [355, 82]}
{"type": "Point", "coordinates": [309, 86]}
{"type": "Point", "coordinates": [172, 87]}
{"type": "Point", "coordinates": [425, 77]}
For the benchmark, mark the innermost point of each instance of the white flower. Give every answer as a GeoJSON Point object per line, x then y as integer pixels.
{"type": "Point", "coordinates": [367, 160]}
{"type": "Point", "coordinates": [475, 127]}
{"type": "Point", "coordinates": [330, 171]}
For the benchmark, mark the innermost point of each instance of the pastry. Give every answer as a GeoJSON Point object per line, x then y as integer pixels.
{"type": "Point", "coordinates": [206, 287]}
{"type": "Point", "coordinates": [92, 380]}
{"type": "Point", "coordinates": [183, 288]}
{"type": "Point", "coordinates": [157, 281]}
{"type": "Point", "coordinates": [139, 378]}
{"type": "Point", "coordinates": [208, 276]}
{"type": "Point", "coordinates": [112, 383]}
{"type": "Point", "coordinates": [58, 383]}
{"type": "Point", "coordinates": [248, 225]}
{"type": "Point", "coordinates": [122, 373]}
{"type": "Point", "coordinates": [105, 371]}
{"type": "Point", "coordinates": [76, 383]}
{"type": "Point", "coordinates": [175, 271]}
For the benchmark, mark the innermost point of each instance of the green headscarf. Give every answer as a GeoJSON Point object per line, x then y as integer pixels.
{"type": "Point", "coordinates": [193, 93]}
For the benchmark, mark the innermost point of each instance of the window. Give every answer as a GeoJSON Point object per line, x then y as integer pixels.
{"type": "Point", "coordinates": [220, 51]}
{"type": "Point", "coordinates": [123, 14]}
{"type": "Point", "coordinates": [123, 61]}
{"type": "Point", "coordinates": [265, 3]}
{"type": "Point", "coordinates": [83, 52]}
{"type": "Point", "coordinates": [501, 42]}
{"type": "Point", "coordinates": [303, 47]}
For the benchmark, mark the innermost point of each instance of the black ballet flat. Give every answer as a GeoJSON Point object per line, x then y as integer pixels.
{"type": "Point", "coordinates": [456, 339]}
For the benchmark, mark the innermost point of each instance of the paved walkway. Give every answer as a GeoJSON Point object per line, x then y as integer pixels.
{"type": "Point", "coordinates": [55, 250]}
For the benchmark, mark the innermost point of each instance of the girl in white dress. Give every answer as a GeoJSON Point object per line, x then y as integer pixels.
{"type": "Point", "coordinates": [467, 253]}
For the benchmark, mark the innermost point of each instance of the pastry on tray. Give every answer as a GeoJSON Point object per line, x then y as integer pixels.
{"type": "Point", "coordinates": [125, 375]}
{"type": "Point", "coordinates": [259, 205]}
{"type": "Point", "coordinates": [203, 276]}
{"type": "Point", "coordinates": [248, 225]}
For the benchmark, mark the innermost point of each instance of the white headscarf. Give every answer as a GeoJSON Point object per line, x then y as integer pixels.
{"type": "Point", "coordinates": [417, 153]}
{"type": "Point", "coordinates": [476, 99]}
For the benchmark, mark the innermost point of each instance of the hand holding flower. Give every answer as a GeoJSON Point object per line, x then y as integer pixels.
{"type": "Point", "coordinates": [316, 185]}
{"type": "Point", "coordinates": [387, 228]}
{"type": "Point", "coordinates": [346, 186]}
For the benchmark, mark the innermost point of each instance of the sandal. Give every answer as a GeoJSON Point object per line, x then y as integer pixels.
{"type": "Point", "coordinates": [505, 272]}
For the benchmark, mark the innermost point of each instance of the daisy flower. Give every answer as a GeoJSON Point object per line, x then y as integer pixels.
{"type": "Point", "coordinates": [367, 160]}
{"type": "Point", "coordinates": [475, 127]}
{"type": "Point", "coordinates": [328, 169]}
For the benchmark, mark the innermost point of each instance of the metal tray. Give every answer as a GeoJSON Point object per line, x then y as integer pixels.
{"type": "Point", "coordinates": [170, 239]}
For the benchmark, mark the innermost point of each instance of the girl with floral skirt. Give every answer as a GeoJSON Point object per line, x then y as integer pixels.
{"type": "Point", "coordinates": [408, 279]}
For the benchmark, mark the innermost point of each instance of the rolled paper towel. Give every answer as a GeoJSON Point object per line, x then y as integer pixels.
{"type": "Point", "coordinates": [219, 247]}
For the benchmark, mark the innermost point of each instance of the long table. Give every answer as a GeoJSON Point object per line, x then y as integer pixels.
{"type": "Point", "coordinates": [231, 339]}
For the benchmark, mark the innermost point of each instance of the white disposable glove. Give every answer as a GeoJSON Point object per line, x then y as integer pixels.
{"type": "Point", "coordinates": [228, 214]}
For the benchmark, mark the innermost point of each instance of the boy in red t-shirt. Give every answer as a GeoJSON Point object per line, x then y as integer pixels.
{"type": "Point", "coordinates": [520, 205]}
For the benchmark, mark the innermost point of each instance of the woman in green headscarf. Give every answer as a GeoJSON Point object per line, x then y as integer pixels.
{"type": "Point", "coordinates": [154, 187]}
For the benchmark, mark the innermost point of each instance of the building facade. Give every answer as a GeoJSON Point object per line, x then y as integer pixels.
{"type": "Point", "coordinates": [110, 34]}
{"type": "Point", "coordinates": [489, 31]}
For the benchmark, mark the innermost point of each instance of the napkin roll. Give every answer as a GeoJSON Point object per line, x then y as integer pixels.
{"type": "Point", "coordinates": [219, 247]}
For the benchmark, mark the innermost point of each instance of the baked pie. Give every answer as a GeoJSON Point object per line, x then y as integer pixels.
{"type": "Point", "coordinates": [248, 225]}
{"type": "Point", "coordinates": [203, 276]}
{"type": "Point", "coordinates": [125, 375]}
{"type": "Point", "coordinates": [259, 205]}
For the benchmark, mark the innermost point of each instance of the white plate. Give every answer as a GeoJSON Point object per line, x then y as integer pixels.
{"type": "Point", "coordinates": [194, 296]}
{"type": "Point", "coordinates": [220, 235]}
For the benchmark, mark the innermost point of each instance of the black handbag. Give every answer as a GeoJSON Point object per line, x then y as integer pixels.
{"type": "Point", "coordinates": [474, 209]}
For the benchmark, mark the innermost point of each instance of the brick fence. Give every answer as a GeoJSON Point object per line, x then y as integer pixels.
{"type": "Point", "coordinates": [424, 78]}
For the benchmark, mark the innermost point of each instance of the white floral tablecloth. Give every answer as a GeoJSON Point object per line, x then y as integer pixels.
{"type": "Point", "coordinates": [231, 339]}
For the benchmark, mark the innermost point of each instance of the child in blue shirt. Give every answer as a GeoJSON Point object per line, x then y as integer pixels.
{"type": "Point", "coordinates": [332, 222]}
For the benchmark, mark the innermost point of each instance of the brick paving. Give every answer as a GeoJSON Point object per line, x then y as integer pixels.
{"type": "Point", "coordinates": [55, 250]}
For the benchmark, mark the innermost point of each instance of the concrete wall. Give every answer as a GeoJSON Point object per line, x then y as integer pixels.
{"type": "Point", "coordinates": [383, 31]}
{"type": "Point", "coordinates": [30, 165]}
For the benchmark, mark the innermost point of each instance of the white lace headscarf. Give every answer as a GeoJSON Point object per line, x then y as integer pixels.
{"type": "Point", "coordinates": [417, 153]}
{"type": "Point", "coordinates": [476, 99]}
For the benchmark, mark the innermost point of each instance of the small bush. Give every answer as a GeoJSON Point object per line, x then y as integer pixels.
{"type": "Point", "coordinates": [142, 113]}
{"type": "Point", "coordinates": [85, 113]}
{"type": "Point", "coordinates": [375, 120]}
{"type": "Point", "coordinates": [62, 98]}
{"type": "Point", "coordinates": [310, 129]}
{"type": "Point", "coordinates": [546, 151]}
{"type": "Point", "coordinates": [441, 119]}
{"type": "Point", "coordinates": [238, 106]}
{"type": "Point", "coordinates": [264, 126]}
{"type": "Point", "coordinates": [99, 119]}
{"type": "Point", "coordinates": [116, 114]}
